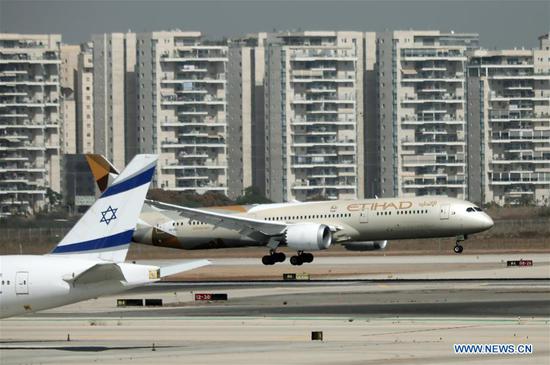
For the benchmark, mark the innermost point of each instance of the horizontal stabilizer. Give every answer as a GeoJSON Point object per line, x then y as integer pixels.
{"type": "Point", "coordinates": [182, 267]}
{"type": "Point", "coordinates": [97, 273]}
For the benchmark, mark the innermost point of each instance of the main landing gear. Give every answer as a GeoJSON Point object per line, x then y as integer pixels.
{"type": "Point", "coordinates": [273, 258]}
{"type": "Point", "coordinates": [297, 260]}
{"type": "Point", "coordinates": [302, 257]}
{"type": "Point", "coordinates": [458, 247]}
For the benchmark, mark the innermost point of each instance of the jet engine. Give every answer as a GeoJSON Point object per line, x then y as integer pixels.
{"type": "Point", "coordinates": [366, 246]}
{"type": "Point", "coordinates": [148, 235]}
{"type": "Point", "coordinates": [308, 237]}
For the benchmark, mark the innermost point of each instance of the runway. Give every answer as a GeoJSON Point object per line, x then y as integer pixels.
{"type": "Point", "coordinates": [331, 298]}
{"type": "Point", "coordinates": [372, 321]}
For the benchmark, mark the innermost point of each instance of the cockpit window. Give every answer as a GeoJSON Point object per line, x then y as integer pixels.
{"type": "Point", "coordinates": [470, 209]}
{"type": "Point", "coordinates": [478, 209]}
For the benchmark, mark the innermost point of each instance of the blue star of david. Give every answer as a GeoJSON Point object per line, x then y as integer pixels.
{"type": "Point", "coordinates": [107, 219]}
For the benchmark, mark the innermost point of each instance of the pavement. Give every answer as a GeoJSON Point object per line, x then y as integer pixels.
{"type": "Point", "coordinates": [365, 319]}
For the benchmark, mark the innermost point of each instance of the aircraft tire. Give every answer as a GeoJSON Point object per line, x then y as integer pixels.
{"type": "Point", "coordinates": [296, 260]}
{"type": "Point", "coordinates": [307, 257]}
{"type": "Point", "coordinates": [268, 260]}
{"type": "Point", "coordinates": [280, 257]}
{"type": "Point", "coordinates": [458, 249]}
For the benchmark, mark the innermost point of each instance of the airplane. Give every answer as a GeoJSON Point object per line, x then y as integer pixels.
{"type": "Point", "coordinates": [303, 226]}
{"type": "Point", "coordinates": [89, 261]}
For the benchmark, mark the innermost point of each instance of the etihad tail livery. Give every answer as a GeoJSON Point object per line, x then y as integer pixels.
{"type": "Point", "coordinates": [88, 262]}
{"type": "Point", "coordinates": [305, 227]}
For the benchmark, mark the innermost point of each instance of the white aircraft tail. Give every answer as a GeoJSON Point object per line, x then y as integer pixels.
{"type": "Point", "coordinates": [105, 231]}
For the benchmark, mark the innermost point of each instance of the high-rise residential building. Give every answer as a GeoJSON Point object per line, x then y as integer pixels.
{"type": "Point", "coordinates": [68, 87]}
{"type": "Point", "coordinates": [182, 109]}
{"type": "Point", "coordinates": [509, 125]}
{"type": "Point", "coordinates": [245, 114]}
{"type": "Point", "coordinates": [314, 115]}
{"type": "Point", "coordinates": [114, 98]}
{"type": "Point", "coordinates": [422, 112]}
{"type": "Point", "coordinates": [29, 120]}
{"type": "Point", "coordinates": [85, 99]}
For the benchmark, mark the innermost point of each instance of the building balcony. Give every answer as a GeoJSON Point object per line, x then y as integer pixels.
{"type": "Point", "coordinates": [505, 178]}
{"type": "Point", "coordinates": [176, 145]}
{"type": "Point", "coordinates": [199, 188]}
{"type": "Point", "coordinates": [443, 100]}
{"type": "Point", "coordinates": [317, 165]}
{"type": "Point", "coordinates": [324, 186]}
{"type": "Point", "coordinates": [186, 56]}
{"type": "Point", "coordinates": [323, 54]}
{"type": "Point", "coordinates": [298, 100]}
{"type": "Point", "coordinates": [447, 121]}
{"type": "Point", "coordinates": [434, 79]}
{"type": "Point", "coordinates": [180, 100]}
{"type": "Point", "coordinates": [187, 83]}
{"type": "Point", "coordinates": [193, 177]}
{"type": "Point", "coordinates": [323, 143]}
{"type": "Point", "coordinates": [322, 80]}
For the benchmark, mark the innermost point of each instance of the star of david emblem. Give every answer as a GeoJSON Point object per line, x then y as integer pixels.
{"type": "Point", "coordinates": [108, 215]}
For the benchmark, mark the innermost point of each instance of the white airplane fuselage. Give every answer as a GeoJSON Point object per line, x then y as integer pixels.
{"type": "Point", "coordinates": [31, 283]}
{"type": "Point", "coordinates": [355, 220]}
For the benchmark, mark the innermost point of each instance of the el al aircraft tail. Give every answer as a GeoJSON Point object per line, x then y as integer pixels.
{"type": "Point", "coordinates": [105, 231]}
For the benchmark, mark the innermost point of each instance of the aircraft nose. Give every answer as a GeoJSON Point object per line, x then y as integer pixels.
{"type": "Point", "coordinates": [487, 222]}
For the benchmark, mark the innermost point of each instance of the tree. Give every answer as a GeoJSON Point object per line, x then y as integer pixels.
{"type": "Point", "coordinates": [252, 196]}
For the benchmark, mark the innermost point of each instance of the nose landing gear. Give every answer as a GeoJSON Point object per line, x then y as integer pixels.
{"type": "Point", "coordinates": [458, 247]}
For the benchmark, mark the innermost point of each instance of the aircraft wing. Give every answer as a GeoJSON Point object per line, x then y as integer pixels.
{"type": "Point", "coordinates": [253, 228]}
{"type": "Point", "coordinates": [97, 273]}
{"type": "Point", "coordinates": [182, 267]}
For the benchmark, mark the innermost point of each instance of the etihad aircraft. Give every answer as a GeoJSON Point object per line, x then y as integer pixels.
{"type": "Point", "coordinates": [303, 226]}
{"type": "Point", "coordinates": [88, 262]}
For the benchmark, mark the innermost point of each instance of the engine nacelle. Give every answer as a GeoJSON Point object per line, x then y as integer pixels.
{"type": "Point", "coordinates": [366, 246]}
{"type": "Point", "coordinates": [308, 237]}
{"type": "Point", "coordinates": [156, 236]}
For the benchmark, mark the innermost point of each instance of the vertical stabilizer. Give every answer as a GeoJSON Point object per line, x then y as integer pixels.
{"type": "Point", "coordinates": [105, 231]}
{"type": "Point", "coordinates": [104, 172]}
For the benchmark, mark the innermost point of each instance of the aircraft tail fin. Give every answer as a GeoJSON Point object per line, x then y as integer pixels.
{"type": "Point", "coordinates": [105, 230]}
{"type": "Point", "coordinates": [103, 170]}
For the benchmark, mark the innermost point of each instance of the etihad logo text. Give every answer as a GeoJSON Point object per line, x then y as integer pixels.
{"type": "Point", "coordinates": [404, 204]}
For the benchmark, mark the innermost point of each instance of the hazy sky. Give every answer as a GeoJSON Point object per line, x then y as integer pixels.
{"type": "Point", "coordinates": [501, 24]}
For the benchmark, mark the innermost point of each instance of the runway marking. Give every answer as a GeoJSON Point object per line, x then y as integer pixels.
{"type": "Point", "coordinates": [422, 330]}
{"type": "Point", "coordinates": [514, 321]}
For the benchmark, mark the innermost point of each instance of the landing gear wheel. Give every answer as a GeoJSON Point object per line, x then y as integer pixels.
{"type": "Point", "coordinates": [307, 257]}
{"type": "Point", "coordinates": [268, 260]}
{"type": "Point", "coordinates": [279, 256]}
{"type": "Point", "coordinates": [458, 249]}
{"type": "Point", "coordinates": [296, 260]}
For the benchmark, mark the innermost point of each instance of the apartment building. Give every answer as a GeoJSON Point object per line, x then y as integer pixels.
{"type": "Point", "coordinates": [422, 112]}
{"type": "Point", "coordinates": [114, 105]}
{"type": "Point", "coordinates": [182, 109]}
{"type": "Point", "coordinates": [29, 121]}
{"type": "Point", "coordinates": [85, 100]}
{"type": "Point", "coordinates": [509, 125]}
{"type": "Point", "coordinates": [245, 114]}
{"type": "Point", "coordinates": [68, 86]}
{"type": "Point", "coordinates": [314, 115]}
